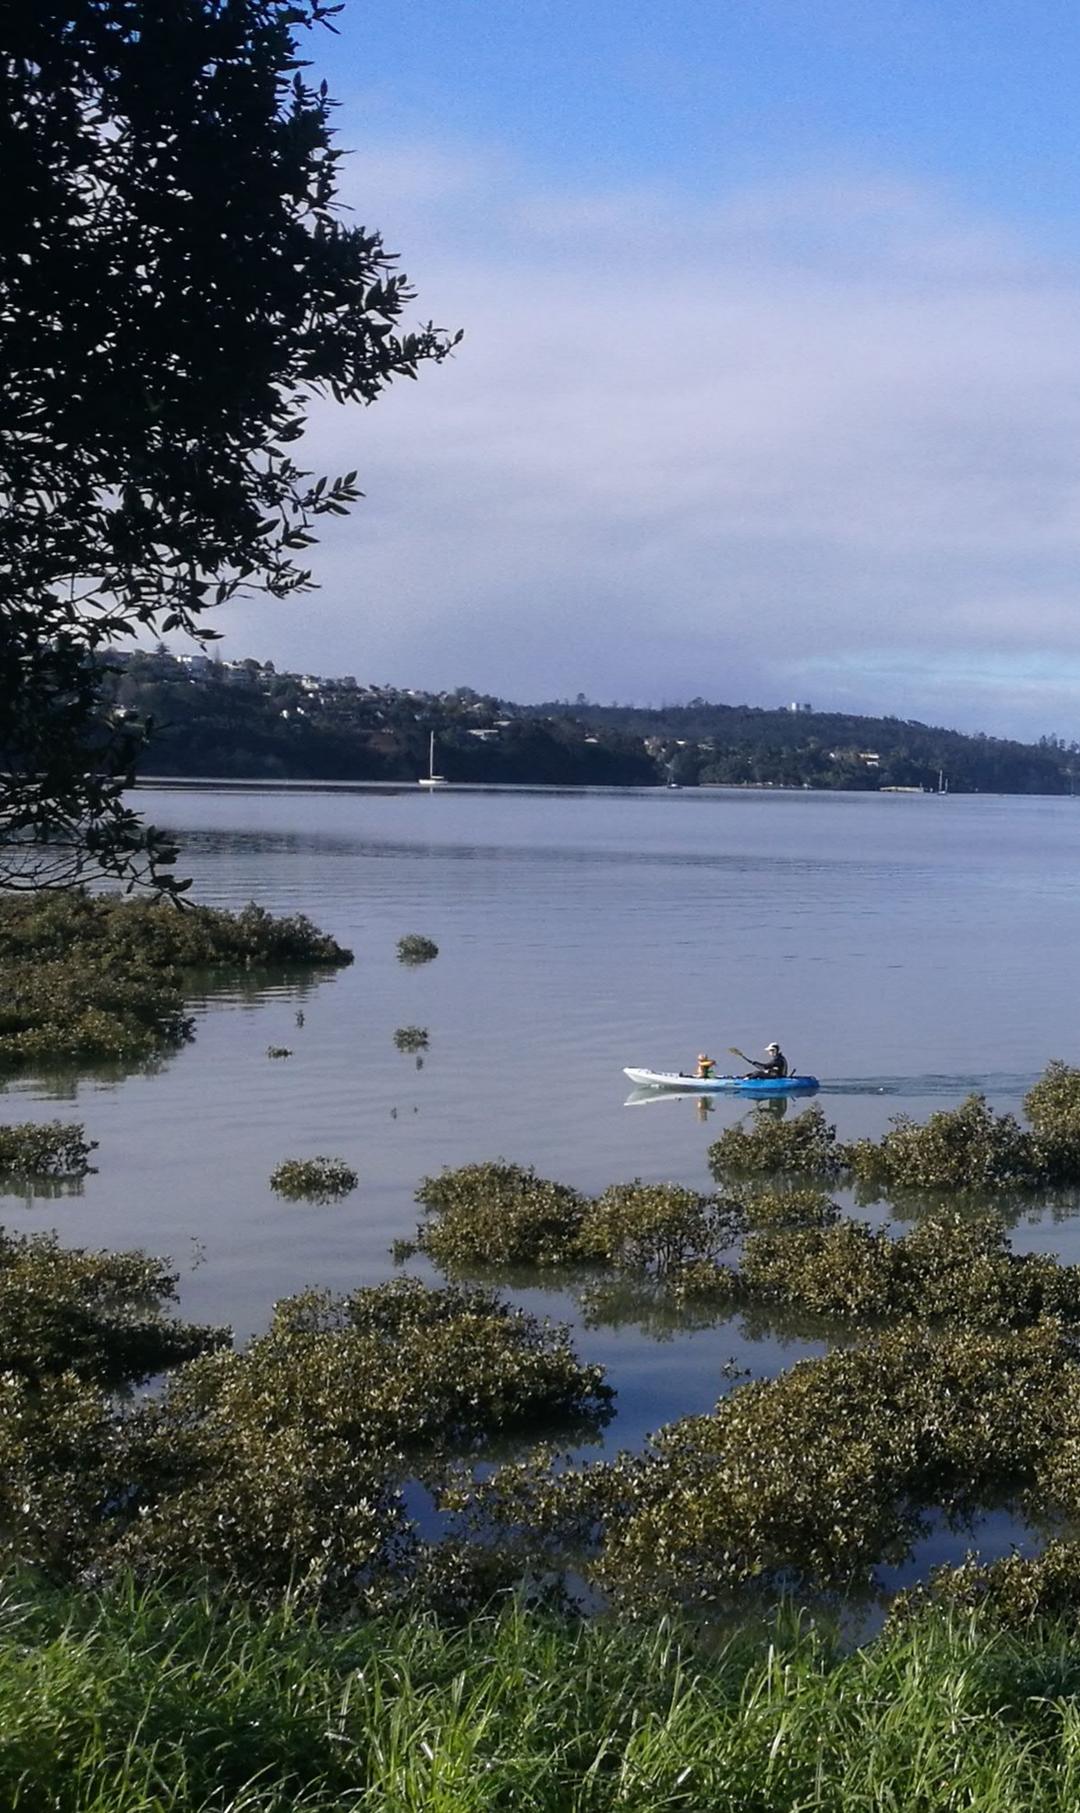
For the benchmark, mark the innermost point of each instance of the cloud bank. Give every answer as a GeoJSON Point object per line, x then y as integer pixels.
{"type": "Point", "coordinates": [815, 440]}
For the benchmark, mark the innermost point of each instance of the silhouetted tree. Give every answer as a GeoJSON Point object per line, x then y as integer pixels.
{"type": "Point", "coordinates": [176, 284]}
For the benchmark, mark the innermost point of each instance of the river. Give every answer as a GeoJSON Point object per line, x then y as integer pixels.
{"type": "Point", "coordinates": [903, 948]}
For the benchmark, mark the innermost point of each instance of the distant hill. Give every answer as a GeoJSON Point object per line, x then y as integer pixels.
{"type": "Point", "coordinates": [243, 719]}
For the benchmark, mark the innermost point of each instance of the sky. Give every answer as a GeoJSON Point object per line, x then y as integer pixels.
{"type": "Point", "coordinates": [770, 379]}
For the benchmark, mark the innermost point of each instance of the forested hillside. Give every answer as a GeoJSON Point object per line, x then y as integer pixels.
{"type": "Point", "coordinates": [243, 719]}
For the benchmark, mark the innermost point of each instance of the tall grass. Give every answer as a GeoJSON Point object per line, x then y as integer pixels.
{"type": "Point", "coordinates": [182, 1704]}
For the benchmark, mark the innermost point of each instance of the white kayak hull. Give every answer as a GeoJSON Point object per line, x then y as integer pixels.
{"type": "Point", "coordinates": [722, 1085]}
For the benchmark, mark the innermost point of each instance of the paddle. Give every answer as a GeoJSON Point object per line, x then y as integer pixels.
{"type": "Point", "coordinates": [736, 1053]}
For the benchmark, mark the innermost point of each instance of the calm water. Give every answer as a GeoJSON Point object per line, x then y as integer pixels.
{"type": "Point", "coordinates": [904, 948]}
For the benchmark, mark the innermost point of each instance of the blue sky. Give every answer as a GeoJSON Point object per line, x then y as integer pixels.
{"type": "Point", "coordinates": [770, 380]}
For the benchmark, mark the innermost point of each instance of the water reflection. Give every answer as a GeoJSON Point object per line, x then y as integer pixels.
{"type": "Point", "coordinates": [30, 1191]}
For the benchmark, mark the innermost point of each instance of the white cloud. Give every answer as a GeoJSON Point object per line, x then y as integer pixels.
{"type": "Point", "coordinates": [800, 433]}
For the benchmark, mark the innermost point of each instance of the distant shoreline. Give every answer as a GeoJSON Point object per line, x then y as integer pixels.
{"type": "Point", "coordinates": [199, 783]}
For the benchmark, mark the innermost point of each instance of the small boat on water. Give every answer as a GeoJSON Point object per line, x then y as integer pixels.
{"type": "Point", "coordinates": [723, 1085]}
{"type": "Point", "coordinates": [431, 779]}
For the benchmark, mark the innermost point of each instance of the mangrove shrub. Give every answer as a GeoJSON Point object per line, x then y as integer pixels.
{"type": "Point", "coordinates": [320, 1179]}
{"type": "Point", "coordinates": [499, 1214]}
{"type": "Point", "coordinates": [415, 948]}
{"type": "Point", "coordinates": [803, 1146]}
{"type": "Point", "coordinates": [45, 1149]}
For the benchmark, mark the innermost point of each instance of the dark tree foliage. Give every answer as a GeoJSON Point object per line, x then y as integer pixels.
{"type": "Point", "coordinates": [176, 284]}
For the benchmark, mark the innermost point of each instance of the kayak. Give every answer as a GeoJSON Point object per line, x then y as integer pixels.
{"type": "Point", "coordinates": [721, 1085]}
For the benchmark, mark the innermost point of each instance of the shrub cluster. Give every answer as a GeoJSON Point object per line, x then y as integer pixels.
{"type": "Point", "coordinates": [99, 1316]}
{"type": "Point", "coordinates": [1014, 1591]}
{"type": "Point", "coordinates": [118, 928]}
{"type": "Point", "coordinates": [804, 1146]}
{"type": "Point", "coordinates": [789, 1207]}
{"type": "Point", "coordinates": [969, 1148]}
{"type": "Point", "coordinates": [87, 977]}
{"type": "Point", "coordinates": [504, 1214]}
{"type": "Point", "coordinates": [411, 1038]}
{"type": "Point", "coordinates": [415, 948]}
{"type": "Point", "coordinates": [966, 1148]}
{"type": "Point", "coordinates": [948, 1268]}
{"type": "Point", "coordinates": [498, 1214]}
{"type": "Point", "coordinates": [814, 1476]}
{"type": "Point", "coordinates": [281, 1466]}
{"type": "Point", "coordinates": [316, 1179]}
{"type": "Point", "coordinates": [45, 1149]}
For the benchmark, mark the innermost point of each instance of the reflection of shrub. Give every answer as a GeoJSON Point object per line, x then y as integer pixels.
{"type": "Point", "coordinates": [499, 1214]}
{"type": "Point", "coordinates": [414, 948]}
{"type": "Point", "coordinates": [45, 1149]}
{"type": "Point", "coordinates": [804, 1146]}
{"type": "Point", "coordinates": [411, 1038]}
{"type": "Point", "coordinates": [321, 1179]}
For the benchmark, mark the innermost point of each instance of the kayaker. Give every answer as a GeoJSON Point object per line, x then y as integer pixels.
{"type": "Point", "coordinates": [775, 1063]}
{"type": "Point", "coordinates": [705, 1066]}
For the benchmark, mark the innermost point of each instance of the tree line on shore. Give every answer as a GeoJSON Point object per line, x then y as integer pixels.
{"type": "Point", "coordinates": [243, 718]}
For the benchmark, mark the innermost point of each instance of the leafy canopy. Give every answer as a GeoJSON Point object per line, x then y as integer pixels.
{"type": "Point", "coordinates": [177, 286]}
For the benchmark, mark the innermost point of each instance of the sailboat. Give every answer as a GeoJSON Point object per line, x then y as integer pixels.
{"type": "Point", "coordinates": [431, 779]}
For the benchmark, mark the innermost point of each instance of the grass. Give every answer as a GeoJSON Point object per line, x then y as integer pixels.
{"type": "Point", "coordinates": [180, 1703]}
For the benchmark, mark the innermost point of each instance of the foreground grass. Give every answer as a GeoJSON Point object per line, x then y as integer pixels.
{"type": "Point", "coordinates": [184, 1704]}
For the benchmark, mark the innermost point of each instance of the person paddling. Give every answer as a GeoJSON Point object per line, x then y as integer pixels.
{"type": "Point", "coordinates": [775, 1063]}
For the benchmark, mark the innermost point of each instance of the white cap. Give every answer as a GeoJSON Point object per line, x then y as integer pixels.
{"type": "Point", "coordinates": [772, 1046]}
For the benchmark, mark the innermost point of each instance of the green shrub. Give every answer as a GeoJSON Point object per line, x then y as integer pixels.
{"type": "Point", "coordinates": [948, 1268]}
{"type": "Point", "coordinates": [281, 1466]}
{"type": "Point", "coordinates": [657, 1228]}
{"type": "Point", "coordinates": [278, 1051]}
{"type": "Point", "coordinates": [844, 1271]}
{"type": "Point", "coordinates": [317, 1179]}
{"type": "Point", "coordinates": [964, 1148]}
{"type": "Point", "coordinates": [1053, 1107]}
{"type": "Point", "coordinates": [499, 1214]}
{"type": "Point", "coordinates": [1054, 1101]}
{"type": "Point", "coordinates": [1013, 1591]}
{"type": "Point", "coordinates": [789, 1208]}
{"type": "Point", "coordinates": [86, 977]}
{"type": "Point", "coordinates": [411, 1038]}
{"type": "Point", "coordinates": [82, 1007]}
{"type": "Point", "coordinates": [45, 1149]}
{"type": "Point", "coordinates": [818, 1475]}
{"type": "Point", "coordinates": [415, 948]}
{"type": "Point", "coordinates": [157, 934]}
{"type": "Point", "coordinates": [803, 1146]}
{"type": "Point", "coordinates": [97, 1315]}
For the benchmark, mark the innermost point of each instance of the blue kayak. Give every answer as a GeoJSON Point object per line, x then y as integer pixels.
{"type": "Point", "coordinates": [723, 1085]}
